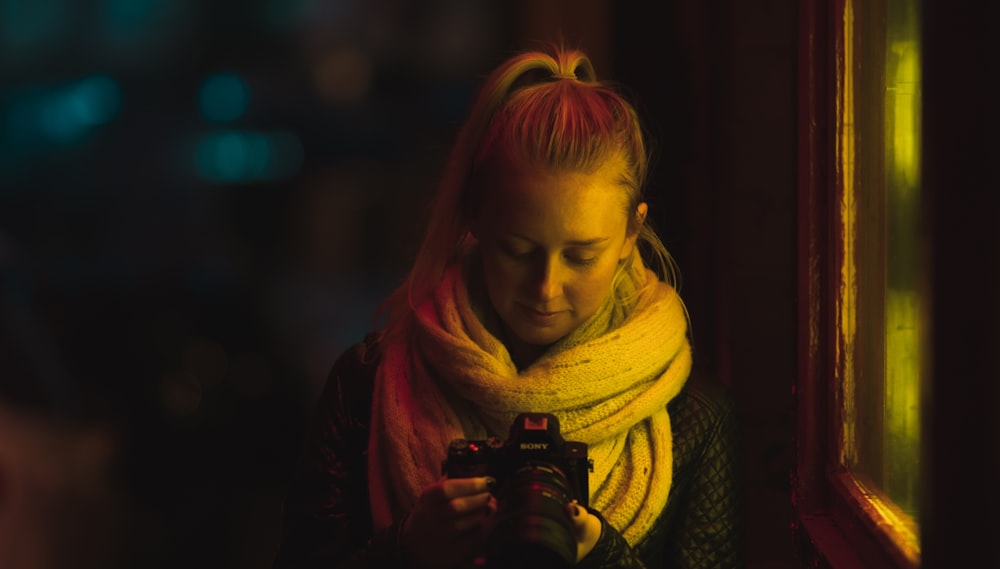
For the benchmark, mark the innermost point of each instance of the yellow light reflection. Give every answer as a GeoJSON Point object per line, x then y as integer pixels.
{"type": "Point", "coordinates": [846, 324]}
{"type": "Point", "coordinates": [903, 102]}
{"type": "Point", "coordinates": [902, 311]}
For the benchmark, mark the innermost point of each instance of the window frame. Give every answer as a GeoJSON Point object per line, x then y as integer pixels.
{"type": "Point", "coordinates": [960, 452]}
{"type": "Point", "coordinates": [837, 521]}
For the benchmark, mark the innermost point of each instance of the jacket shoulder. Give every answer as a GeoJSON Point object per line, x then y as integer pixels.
{"type": "Point", "coordinates": [704, 408]}
{"type": "Point", "coordinates": [350, 384]}
{"type": "Point", "coordinates": [702, 524]}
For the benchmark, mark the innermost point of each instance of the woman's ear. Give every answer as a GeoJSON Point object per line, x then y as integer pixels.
{"type": "Point", "coordinates": [634, 228]}
{"type": "Point", "coordinates": [640, 218]}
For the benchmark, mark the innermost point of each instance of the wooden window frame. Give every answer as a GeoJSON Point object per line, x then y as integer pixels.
{"type": "Point", "coordinates": [839, 524]}
{"type": "Point", "coordinates": [960, 454]}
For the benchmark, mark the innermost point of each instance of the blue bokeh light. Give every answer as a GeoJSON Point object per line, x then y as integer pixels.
{"type": "Point", "coordinates": [223, 97]}
{"type": "Point", "coordinates": [140, 31]}
{"type": "Point", "coordinates": [72, 112]}
{"type": "Point", "coordinates": [128, 16]}
{"type": "Point", "coordinates": [240, 156]}
{"type": "Point", "coordinates": [66, 114]}
{"type": "Point", "coordinates": [30, 26]}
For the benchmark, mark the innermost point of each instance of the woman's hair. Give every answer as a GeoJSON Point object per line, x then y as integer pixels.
{"type": "Point", "coordinates": [545, 109]}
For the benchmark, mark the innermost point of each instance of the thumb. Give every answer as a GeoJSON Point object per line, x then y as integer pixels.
{"type": "Point", "coordinates": [587, 527]}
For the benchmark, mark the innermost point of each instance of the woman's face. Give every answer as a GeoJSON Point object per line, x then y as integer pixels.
{"type": "Point", "coordinates": [550, 244]}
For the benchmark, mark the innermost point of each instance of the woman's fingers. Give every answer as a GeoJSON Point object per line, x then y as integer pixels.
{"type": "Point", "coordinates": [440, 531]}
{"type": "Point", "coordinates": [587, 527]}
{"type": "Point", "coordinates": [458, 487]}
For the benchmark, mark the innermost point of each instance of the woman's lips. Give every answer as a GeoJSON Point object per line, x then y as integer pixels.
{"type": "Point", "coordinates": [541, 316]}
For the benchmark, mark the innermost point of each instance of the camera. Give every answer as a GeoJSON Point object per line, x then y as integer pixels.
{"type": "Point", "coordinates": [537, 474]}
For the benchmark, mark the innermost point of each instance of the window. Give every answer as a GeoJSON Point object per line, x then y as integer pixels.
{"type": "Point", "coordinates": [879, 316]}
{"type": "Point", "coordinates": [862, 311]}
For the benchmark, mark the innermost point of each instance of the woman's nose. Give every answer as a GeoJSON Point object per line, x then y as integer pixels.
{"type": "Point", "coordinates": [549, 280]}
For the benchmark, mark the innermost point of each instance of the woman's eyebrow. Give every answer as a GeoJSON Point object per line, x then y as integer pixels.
{"type": "Point", "coordinates": [573, 243]}
{"type": "Point", "coordinates": [587, 242]}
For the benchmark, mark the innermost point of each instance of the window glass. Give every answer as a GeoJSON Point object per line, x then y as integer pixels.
{"type": "Point", "coordinates": [902, 381]}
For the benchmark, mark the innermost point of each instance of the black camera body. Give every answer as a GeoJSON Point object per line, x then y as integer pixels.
{"type": "Point", "coordinates": [537, 474]}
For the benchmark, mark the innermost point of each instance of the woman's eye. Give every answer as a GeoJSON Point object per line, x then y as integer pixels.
{"type": "Point", "coordinates": [516, 252]}
{"type": "Point", "coordinates": [581, 261]}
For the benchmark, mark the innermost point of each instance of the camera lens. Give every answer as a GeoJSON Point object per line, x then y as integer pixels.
{"type": "Point", "coordinates": [532, 527]}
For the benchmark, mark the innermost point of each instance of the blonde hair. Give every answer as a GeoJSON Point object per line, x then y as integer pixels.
{"type": "Point", "coordinates": [546, 108]}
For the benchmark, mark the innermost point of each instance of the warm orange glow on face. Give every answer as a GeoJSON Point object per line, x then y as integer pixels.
{"type": "Point", "coordinates": [551, 245]}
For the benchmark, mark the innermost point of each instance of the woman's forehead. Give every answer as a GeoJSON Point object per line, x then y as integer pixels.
{"type": "Point", "coordinates": [571, 205]}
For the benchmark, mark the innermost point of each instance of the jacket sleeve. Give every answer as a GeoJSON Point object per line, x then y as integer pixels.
{"type": "Point", "coordinates": [611, 550]}
{"type": "Point", "coordinates": [703, 524]}
{"type": "Point", "coordinates": [708, 532]}
{"type": "Point", "coordinates": [325, 518]}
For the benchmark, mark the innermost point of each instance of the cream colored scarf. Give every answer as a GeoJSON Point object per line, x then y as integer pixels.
{"type": "Point", "coordinates": [609, 389]}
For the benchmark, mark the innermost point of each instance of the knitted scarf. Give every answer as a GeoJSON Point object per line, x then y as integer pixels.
{"type": "Point", "coordinates": [608, 383]}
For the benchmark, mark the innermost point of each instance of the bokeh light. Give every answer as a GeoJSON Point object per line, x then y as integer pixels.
{"type": "Point", "coordinates": [29, 27]}
{"type": "Point", "coordinates": [232, 156]}
{"type": "Point", "coordinates": [64, 115]}
{"type": "Point", "coordinates": [141, 31]}
{"type": "Point", "coordinates": [223, 97]}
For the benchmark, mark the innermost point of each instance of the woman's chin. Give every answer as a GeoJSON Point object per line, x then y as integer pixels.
{"type": "Point", "coordinates": [538, 337]}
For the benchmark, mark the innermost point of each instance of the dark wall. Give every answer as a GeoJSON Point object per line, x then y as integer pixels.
{"type": "Point", "coordinates": [963, 263]}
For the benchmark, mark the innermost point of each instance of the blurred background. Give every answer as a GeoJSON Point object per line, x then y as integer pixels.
{"type": "Point", "coordinates": [202, 203]}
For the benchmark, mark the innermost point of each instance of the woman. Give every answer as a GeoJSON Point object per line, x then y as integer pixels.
{"type": "Point", "coordinates": [530, 293]}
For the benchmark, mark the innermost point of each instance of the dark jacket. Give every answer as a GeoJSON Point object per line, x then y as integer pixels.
{"type": "Point", "coordinates": [326, 520]}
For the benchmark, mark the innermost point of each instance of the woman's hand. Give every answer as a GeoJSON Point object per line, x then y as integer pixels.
{"type": "Point", "coordinates": [587, 527]}
{"type": "Point", "coordinates": [446, 528]}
